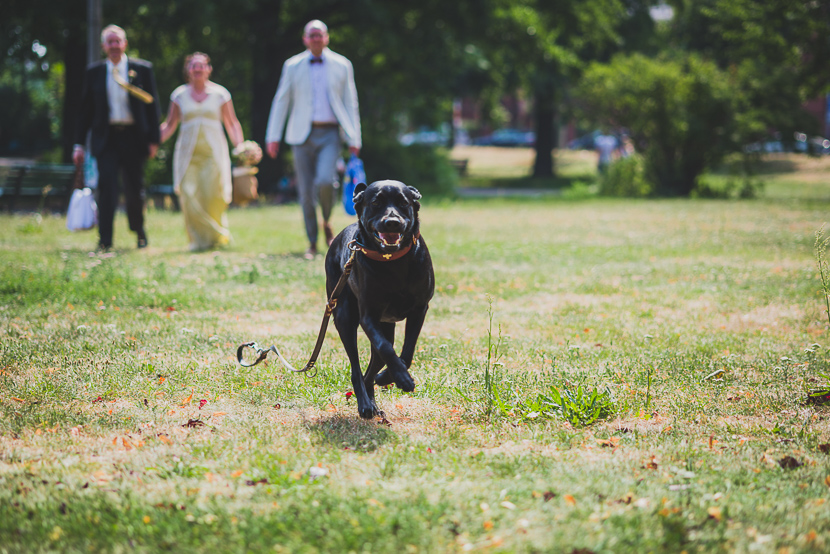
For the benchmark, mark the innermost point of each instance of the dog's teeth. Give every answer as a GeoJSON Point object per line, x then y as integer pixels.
{"type": "Point", "coordinates": [390, 239]}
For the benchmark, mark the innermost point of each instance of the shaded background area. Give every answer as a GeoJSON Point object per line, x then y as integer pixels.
{"type": "Point", "coordinates": [465, 68]}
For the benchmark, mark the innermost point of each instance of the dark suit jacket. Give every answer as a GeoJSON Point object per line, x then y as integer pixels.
{"type": "Point", "coordinates": [94, 112]}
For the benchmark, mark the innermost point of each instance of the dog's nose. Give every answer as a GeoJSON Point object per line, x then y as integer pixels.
{"type": "Point", "coordinates": [393, 223]}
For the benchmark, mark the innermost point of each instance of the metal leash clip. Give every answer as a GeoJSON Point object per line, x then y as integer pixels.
{"type": "Point", "coordinates": [262, 354]}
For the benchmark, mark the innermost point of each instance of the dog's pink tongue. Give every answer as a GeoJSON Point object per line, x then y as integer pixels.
{"type": "Point", "coordinates": [390, 238]}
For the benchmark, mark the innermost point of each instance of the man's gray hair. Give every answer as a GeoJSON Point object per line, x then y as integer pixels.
{"type": "Point", "coordinates": [113, 29]}
{"type": "Point", "coordinates": [315, 24]}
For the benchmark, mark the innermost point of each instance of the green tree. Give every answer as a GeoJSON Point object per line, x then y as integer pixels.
{"type": "Point", "coordinates": [777, 51]}
{"type": "Point", "coordinates": [543, 47]}
{"type": "Point", "coordinates": [43, 44]}
{"type": "Point", "coordinates": [679, 111]}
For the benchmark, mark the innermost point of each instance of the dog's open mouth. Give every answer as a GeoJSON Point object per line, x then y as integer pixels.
{"type": "Point", "coordinates": [389, 239]}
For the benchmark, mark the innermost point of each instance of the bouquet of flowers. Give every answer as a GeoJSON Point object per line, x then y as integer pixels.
{"type": "Point", "coordinates": [247, 153]}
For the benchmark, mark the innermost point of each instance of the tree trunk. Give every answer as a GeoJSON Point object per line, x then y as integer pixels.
{"type": "Point", "coordinates": [268, 57]}
{"type": "Point", "coordinates": [75, 62]}
{"type": "Point", "coordinates": [544, 113]}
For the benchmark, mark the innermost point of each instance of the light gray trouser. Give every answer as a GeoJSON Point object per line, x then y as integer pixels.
{"type": "Point", "coordinates": [315, 162]}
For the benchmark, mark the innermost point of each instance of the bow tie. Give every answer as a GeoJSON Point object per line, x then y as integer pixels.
{"type": "Point", "coordinates": [316, 60]}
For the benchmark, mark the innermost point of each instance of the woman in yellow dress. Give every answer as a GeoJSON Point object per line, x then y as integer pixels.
{"type": "Point", "coordinates": [201, 159]}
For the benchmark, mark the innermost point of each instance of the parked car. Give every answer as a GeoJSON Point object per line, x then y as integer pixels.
{"type": "Point", "coordinates": [425, 136]}
{"type": "Point", "coordinates": [814, 146]}
{"type": "Point", "coordinates": [507, 137]}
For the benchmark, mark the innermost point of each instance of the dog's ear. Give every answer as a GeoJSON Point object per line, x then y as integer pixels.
{"type": "Point", "coordinates": [415, 197]}
{"type": "Point", "coordinates": [358, 193]}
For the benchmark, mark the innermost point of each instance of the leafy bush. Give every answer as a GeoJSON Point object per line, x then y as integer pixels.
{"type": "Point", "coordinates": [680, 112]}
{"type": "Point", "coordinates": [580, 407]}
{"type": "Point", "coordinates": [709, 186]}
{"type": "Point", "coordinates": [426, 168]}
{"type": "Point", "coordinates": [626, 178]}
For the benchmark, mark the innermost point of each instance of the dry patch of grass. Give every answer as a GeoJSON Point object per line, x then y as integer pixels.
{"type": "Point", "coordinates": [503, 162]}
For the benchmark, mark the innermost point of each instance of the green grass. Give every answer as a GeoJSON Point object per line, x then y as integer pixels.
{"type": "Point", "coordinates": [703, 321]}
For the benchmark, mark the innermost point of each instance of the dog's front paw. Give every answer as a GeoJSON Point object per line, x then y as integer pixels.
{"type": "Point", "coordinates": [404, 381]}
{"type": "Point", "coordinates": [368, 412]}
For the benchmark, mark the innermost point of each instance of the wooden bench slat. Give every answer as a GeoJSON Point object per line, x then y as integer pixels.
{"type": "Point", "coordinates": [32, 180]}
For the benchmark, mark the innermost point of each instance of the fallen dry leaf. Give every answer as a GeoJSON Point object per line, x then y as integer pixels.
{"type": "Point", "coordinates": [651, 463]}
{"type": "Point", "coordinates": [187, 400]}
{"type": "Point", "coordinates": [194, 423]}
{"type": "Point", "coordinates": [262, 481]}
{"type": "Point", "coordinates": [714, 513]}
{"type": "Point", "coordinates": [824, 448]}
{"type": "Point", "coordinates": [788, 462]}
{"type": "Point", "coordinates": [626, 499]}
{"type": "Point", "coordinates": [570, 500]}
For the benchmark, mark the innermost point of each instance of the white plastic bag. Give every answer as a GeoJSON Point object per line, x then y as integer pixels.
{"type": "Point", "coordinates": [83, 211]}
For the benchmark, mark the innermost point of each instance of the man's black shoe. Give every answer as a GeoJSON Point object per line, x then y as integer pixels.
{"type": "Point", "coordinates": [142, 241]}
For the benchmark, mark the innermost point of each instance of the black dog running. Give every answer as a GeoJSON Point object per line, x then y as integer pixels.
{"type": "Point", "coordinates": [391, 280]}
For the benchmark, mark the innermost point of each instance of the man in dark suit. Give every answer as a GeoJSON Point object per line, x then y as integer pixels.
{"type": "Point", "coordinates": [119, 104]}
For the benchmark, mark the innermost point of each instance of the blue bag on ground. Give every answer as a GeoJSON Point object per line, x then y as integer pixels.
{"type": "Point", "coordinates": [354, 175]}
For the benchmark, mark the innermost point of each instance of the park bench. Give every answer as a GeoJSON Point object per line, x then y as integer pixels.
{"type": "Point", "coordinates": [160, 194]}
{"type": "Point", "coordinates": [460, 166]}
{"type": "Point", "coordinates": [36, 184]}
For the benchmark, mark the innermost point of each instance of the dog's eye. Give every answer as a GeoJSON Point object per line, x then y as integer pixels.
{"type": "Point", "coordinates": [375, 201]}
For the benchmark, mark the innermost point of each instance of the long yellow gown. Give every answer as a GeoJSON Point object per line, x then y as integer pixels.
{"type": "Point", "coordinates": [202, 167]}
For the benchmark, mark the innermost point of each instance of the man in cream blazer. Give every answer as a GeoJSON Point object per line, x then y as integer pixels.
{"type": "Point", "coordinates": [318, 98]}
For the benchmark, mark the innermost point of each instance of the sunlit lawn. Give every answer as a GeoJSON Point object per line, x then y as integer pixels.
{"type": "Point", "coordinates": [126, 423]}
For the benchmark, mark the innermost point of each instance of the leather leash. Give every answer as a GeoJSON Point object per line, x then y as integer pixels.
{"type": "Point", "coordinates": [354, 247]}
{"type": "Point", "coordinates": [330, 306]}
